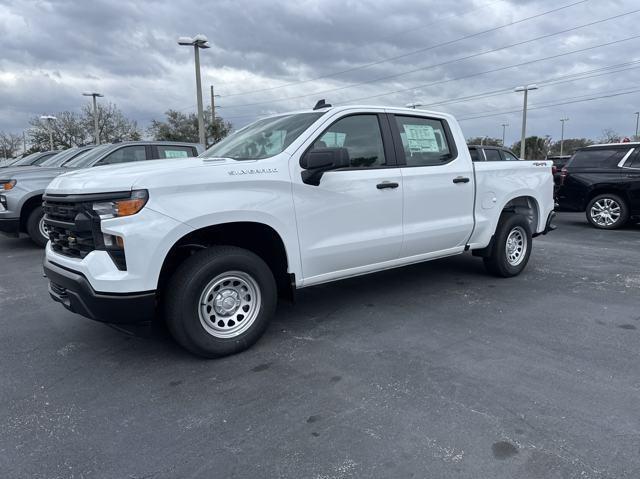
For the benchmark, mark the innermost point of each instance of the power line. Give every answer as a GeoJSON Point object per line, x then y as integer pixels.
{"type": "Point", "coordinates": [404, 55]}
{"type": "Point", "coordinates": [551, 105]}
{"type": "Point", "coordinates": [494, 70]}
{"type": "Point", "coordinates": [475, 55]}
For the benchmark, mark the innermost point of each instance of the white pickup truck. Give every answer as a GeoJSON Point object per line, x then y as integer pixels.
{"type": "Point", "coordinates": [290, 201]}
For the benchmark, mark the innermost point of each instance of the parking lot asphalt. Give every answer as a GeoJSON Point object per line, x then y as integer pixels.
{"type": "Point", "coordinates": [431, 371]}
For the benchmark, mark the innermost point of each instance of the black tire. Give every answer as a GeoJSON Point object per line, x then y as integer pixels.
{"type": "Point", "coordinates": [33, 227]}
{"type": "Point", "coordinates": [601, 223]}
{"type": "Point", "coordinates": [185, 290]}
{"type": "Point", "coordinates": [498, 262]}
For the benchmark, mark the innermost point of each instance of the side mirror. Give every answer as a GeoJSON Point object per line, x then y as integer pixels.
{"type": "Point", "coordinates": [318, 161]}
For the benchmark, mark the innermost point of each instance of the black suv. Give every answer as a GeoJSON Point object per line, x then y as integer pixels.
{"type": "Point", "coordinates": [491, 153]}
{"type": "Point", "coordinates": [604, 181]}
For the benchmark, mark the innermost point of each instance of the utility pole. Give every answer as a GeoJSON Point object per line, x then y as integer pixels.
{"type": "Point", "coordinates": [637, 119]}
{"type": "Point", "coordinates": [213, 114]}
{"type": "Point", "coordinates": [504, 128]}
{"type": "Point", "coordinates": [96, 129]}
{"type": "Point", "coordinates": [523, 136]}
{"type": "Point", "coordinates": [49, 119]}
{"type": "Point", "coordinates": [562, 120]}
{"type": "Point", "coordinates": [24, 143]}
{"type": "Point", "coordinates": [197, 42]}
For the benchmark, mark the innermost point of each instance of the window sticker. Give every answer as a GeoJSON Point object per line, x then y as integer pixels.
{"type": "Point", "coordinates": [175, 154]}
{"type": "Point", "coordinates": [421, 138]}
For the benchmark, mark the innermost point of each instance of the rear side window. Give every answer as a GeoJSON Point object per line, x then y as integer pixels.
{"type": "Point", "coordinates": [492, 155]}
{"type": "Point", "coordinates": [597, 158]}
{"type": "Point", "coordinates": [125, 155]}
{"type": "Point", "coordinates": [635, 160]}
{"type": "Point", "coordinates": [175, 152]}
{"type": "Point", "coordinates": [509, 156]}
{"type": "Point", "coordinates": [360, 135]}
{"type": "Point", "coordinates": [424, 141]}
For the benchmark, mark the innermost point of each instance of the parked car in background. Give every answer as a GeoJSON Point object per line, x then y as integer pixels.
{"type": "Point", "coordinates": [290, 201]}
{"type": "Point", "coordinates": [491, 153]}
{"type": "Point", "coordinates": [32, 159]}
{"type": "Point", "coordinates": [21, 189]}
{"type": "Point", "coordinates": [603, 181]}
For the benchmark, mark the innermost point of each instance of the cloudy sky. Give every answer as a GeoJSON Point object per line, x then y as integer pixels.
{"type": "Point", "coordinates": [463, 57]}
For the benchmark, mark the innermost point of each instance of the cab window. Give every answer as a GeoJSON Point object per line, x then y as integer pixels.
{"type": "Point", "coordinates": [508, 156]}
{"type": "Point", "coordinates": [360, 135]}
{"type": "Point", "coordinates": [175, 151]}
{"type": "Point", "coordinates": [125, 155]}
{"type": "Point", "coordinates": [424, 141]}
{"type": "Point", "coordinates": [475, 154]}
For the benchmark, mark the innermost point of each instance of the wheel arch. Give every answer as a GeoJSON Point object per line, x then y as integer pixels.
{"type": "Point", "coordinates": [527, 206]}
{"type": "Point", "coordinates": [603, 190]}
{"type": "Point", "coordinates": [257, 237]}
{"type": "Point", "coordinates": [27, 207]}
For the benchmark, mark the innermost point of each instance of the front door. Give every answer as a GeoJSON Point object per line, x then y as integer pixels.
{"type": "Point", "coordinates": [352, 220]}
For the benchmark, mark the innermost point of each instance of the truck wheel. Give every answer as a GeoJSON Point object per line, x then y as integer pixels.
{"type": "Point", "coordinates": [511, 248]}
{"type": "Point", "coordinates": [36, 228]}
{"type": "Point", "coordinates": [607, 212]}
{"type": "Point", "coordinates": [220, 301]}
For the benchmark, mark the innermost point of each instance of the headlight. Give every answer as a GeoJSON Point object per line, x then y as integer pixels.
{"type": "Point", "coordinates": [7, 184]}
{"type": "Point", "coordinates": [122, 207]}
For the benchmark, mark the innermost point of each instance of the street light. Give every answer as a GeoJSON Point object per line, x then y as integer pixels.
{"type": "Point", "coordinates": [562, 120]}
{"type": "Point", "coordinates": [526, 90]}
{"type": "Point", "coordinates": [413, 105]}
{"type": "Point", "coordinates": [96, 130]}
{"type": "Point", "coordinates": [504, 128]}
{"type": "Point", "coordinates": [197, 42]}
{"type": "Point", "coordinates": [637, 119]}
{"type": "Point", "coordinates": [49, 119]}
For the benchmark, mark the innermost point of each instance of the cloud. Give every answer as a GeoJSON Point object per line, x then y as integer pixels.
{"type": "Point", "coordinates": [54, 50]}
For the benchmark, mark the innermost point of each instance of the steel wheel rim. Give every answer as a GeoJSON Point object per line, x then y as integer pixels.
{"type": "Point", "coordinates": [42, 228]}
{"type": "Point", "coordinates": [516, 246]}
{"type": "Point", "coordinates": [605, 212]}
{"type": "Point", "coordinates": [229, 304]}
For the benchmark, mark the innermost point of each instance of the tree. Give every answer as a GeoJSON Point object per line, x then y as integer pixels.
{"type": "Point", "coordinates": [72, 129]}
{"type": "Point", "coordinates": [536, 148]}
{"type": "Point", "coordinates": [9, 144]}
{"type": "Point", "coordinates": [609, 136]}
{"type": "Point", "coordinates": [112, 124]}
{"type": "Point", "coordinates": [570, 145]}
{"type": "Point", "coordinates": [484, 140]}
{"type": "Point", "coordinates": [180, 126]}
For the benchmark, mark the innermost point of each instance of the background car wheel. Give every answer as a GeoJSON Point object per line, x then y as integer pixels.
{"type": "Point", "coordinates": [36, 228]}
{"type": "Point", "coordinates": [511, 247]}
{"type": "Point", "coordinates": [607, 212]}
{"type": "Point", "coordinates": [220, 301]}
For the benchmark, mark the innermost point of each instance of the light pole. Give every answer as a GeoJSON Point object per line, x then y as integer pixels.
{"type": "Point", "coordinates": [504, 129]}
{"type": "Point", "coordinates": [96, 130]}
{"type": "Point", "coordinates": [413, 105]}
{"type": "Point", "coordinates": [525, 89]}
{"type": "Point", "coordinates": [213, 114]}
{"type": "Point", "coordinates": [49, 119]}
{"type": "Point", "coordinates": [197, 42]}
{"type": "Point", "coordinates": [562, 120]}
{"type": "Point", "coordinates": [637, 119]}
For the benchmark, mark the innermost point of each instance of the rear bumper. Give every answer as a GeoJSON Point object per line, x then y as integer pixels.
{"type": "Point", "coordinates": [549, 226]}
{"type": "Point", "coordinates": [73, 291]}
{"type": "Point", "coordinates": [10, 226]}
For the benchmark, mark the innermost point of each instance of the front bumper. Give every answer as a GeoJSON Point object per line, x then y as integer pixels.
{"type": "Point", "coordinates": [10, 226]}
{"type": "Point", "coordinates": [74, 292]}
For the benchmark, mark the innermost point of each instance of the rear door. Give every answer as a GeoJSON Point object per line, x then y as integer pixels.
{"type": "Point", "coordinates": [352, 220]}
{"type": "Point", "coordinates": [438, 187]}
{"type": "Point", "coordinates": [631, 180]}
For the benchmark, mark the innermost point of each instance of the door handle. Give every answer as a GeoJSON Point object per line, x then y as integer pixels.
{"type": "Point", "coordinates": [387, 184]}
{"type": "Point", "coordinates": [461, 179]}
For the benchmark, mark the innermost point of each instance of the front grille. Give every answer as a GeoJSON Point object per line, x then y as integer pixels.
{"type": "Point", "coordinates": [69, 227]}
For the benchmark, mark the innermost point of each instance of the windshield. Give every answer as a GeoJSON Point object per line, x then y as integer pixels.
{"type": "Point", "coordinates": [27, 160]}
{"type": "Point", "coordinates": [262, 139]}
{"type": "Point", "coordinates": [61, 158]}
{"type": "Point", "coordinates": [87, 158]}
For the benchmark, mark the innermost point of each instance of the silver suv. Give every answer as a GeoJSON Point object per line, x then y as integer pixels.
{"type": "Point", "coordinates": [21, 189]}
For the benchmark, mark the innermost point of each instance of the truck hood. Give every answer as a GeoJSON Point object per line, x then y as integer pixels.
{"type": "Point", "coordinates": [28, 172]}
{"type": "Point", "coordinates": [110, 178]}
